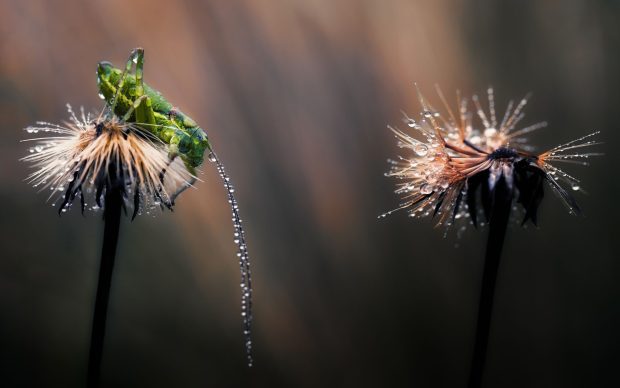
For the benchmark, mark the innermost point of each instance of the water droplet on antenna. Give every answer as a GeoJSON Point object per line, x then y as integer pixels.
{"type": "Point", "coordinates": [244, 260]}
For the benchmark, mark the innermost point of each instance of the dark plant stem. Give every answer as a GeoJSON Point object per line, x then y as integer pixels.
{"type": "Point", "coordinates": [498, 221]}
{"type": "Point", "coordinates": [112, 218]}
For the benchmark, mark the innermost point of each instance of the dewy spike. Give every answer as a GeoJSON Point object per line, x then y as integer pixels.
{"type": "Point", "coordinates": [244, 258]}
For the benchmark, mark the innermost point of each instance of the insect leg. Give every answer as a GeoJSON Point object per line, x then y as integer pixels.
{"type": "Point", "coordinates": [137, 57]}
{"type": "Point", "coordinates": [143, 110]}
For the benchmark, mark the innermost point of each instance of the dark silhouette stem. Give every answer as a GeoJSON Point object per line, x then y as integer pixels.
{"type": "Point", "coordinates": [112, 218]}
{"type": "Point", "coordinates": [498, 221]}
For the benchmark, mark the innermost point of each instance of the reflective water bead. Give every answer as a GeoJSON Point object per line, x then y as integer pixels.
{"type": "Point", "coordinates": [421, 149]}
{"type": "Point", "coordinates": [426, 189]}
{"type": "Point", "coordinates": [490, 132]}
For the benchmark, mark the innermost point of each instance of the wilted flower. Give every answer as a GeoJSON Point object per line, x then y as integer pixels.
{"type": "Point", "coordinates": [88, 156]}
{"type": "Point", "coordinates": [451, 160]}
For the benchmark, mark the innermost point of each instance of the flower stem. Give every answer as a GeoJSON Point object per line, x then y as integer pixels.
{"type": "Point", "coordinates": [112, 218]}
{"type": "Point", "coordinates": [498, 221]}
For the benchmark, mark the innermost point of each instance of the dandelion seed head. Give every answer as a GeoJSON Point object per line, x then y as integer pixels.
{"type": "Point", "coordinates": [88, 155]}
{"type": "Point", "coordinates": [451, 158]}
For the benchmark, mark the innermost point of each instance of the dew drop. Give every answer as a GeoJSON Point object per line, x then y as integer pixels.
{"type": "Point", "coordinates": [575, 187]}
{"type": "Point", "coordinates": [490, 132]}
{"type": "Point", "coordinates": [426, 189]}
{"type": "Point", "coordinates": [443, 183]}
{"type": "Point", "coordinates": [421, 149]}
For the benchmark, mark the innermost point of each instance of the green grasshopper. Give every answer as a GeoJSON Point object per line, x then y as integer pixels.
{"type": "Point", "coordinates": [134, 101]}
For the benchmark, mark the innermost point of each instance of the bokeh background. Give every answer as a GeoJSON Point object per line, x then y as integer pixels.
{"type": "Point", "coordinates": [296, 96]}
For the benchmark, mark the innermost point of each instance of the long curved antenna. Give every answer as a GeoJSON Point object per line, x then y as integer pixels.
{"type": "Point", "coordinates": [244, 259]}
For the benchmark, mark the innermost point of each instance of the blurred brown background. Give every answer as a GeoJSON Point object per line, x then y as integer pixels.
{"type": "Point", "coordinates": [296, 96]}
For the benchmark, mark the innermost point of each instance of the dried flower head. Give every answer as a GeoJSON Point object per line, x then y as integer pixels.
{"type": "Point", "coordinates": [87, 156]}
{"type": "Point", "coordinates": [452, 160]}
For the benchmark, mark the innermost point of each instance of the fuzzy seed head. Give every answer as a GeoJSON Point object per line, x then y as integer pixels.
{"type": "Point", "coordinates": [87, 156]}
{"type": "Point", "coordinates": [453, 155]}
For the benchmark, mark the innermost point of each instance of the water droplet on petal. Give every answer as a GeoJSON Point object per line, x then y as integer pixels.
{"type": "Point", "coordinates": [421, 149]}
{"type": "Point", "coordinates": [490, 132]}
{"type": "Point", "coordinates": [426, 189]}
{"type": "Point", "coordinates": [443, 183]}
